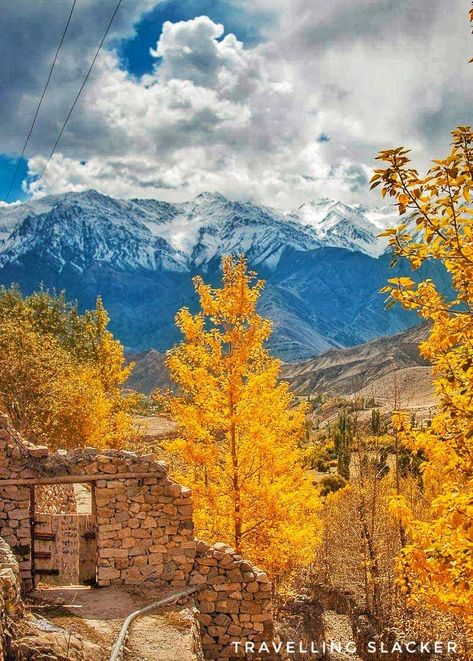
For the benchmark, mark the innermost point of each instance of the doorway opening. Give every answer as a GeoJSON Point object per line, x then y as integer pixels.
{"type": "Point", "coordinates": [64, 534]}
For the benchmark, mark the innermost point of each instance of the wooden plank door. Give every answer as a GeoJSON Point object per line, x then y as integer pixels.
{"type": "Point", "coordinates": [56, 549]}
{"type": "Point", "coordinates": [45, 560]}
{"type": "Point", "coordinates": [87, 549]}
{"type": "Point", "coordinates": [66, 527]}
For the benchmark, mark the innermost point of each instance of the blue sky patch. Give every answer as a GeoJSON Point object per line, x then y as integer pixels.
{"type": "Point", "coordinates": [7, 168]}
{"type": "Point", "coordinates": [134, 53]}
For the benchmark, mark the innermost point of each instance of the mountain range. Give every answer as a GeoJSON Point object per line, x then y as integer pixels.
{"type": "Point", "coordinates": [383, 369]}
{"type": "Point", "coordinates": [323, 263]}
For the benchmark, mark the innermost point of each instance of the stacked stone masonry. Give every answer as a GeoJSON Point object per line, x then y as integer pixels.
{"type": "Point", "coordinates": [10, 601]}
{"type": "Point", "coordinates": [234, 604]}
{"type": "Point", "coordinates": [144, 533]}
{"type": "Point", "coordinates": [56, 499]}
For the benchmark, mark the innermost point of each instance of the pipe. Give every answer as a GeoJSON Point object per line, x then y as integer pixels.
{"type": "Point", "coordinates": [117, 648]}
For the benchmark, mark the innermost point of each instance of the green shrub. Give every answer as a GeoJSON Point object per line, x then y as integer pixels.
{"type": "Point", "coordinates": [331, 483]}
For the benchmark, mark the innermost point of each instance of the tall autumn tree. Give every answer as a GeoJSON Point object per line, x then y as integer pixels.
{"type": "Point", "coordinates": [436, 565]}
{"type": "Point", "coordinates": [240, 429]}
{"type": "Point", "coordinates": [61, 372]}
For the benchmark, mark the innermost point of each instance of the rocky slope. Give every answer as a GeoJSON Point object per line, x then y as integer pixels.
{"type": "Point", "coordinates": [149, 373]}
{"type": "Point", "coordinates": [370, 369]}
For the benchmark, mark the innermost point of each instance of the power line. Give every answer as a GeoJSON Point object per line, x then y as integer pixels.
{"type": "Point", "coordinates": [74, 103]}
{"type": "Point", "coordinates": [18, 162]}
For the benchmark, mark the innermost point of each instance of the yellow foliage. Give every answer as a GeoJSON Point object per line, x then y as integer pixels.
{"type": "Point", "coordinates": [436, 567]}
{"type": "Point", "coordinates": [61, 373]}
{"type": "Point", "coordinates": [106, 350]}
{"type": "Point", "coordinates": [240, 429]}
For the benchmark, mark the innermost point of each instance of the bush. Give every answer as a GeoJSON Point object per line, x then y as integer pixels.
{"type": "Point", "coordinates": [322, 466]}
{"type": "Point", "coordinates": [331, 483]}
{"type": "Point", "coordinates": [318, 457]}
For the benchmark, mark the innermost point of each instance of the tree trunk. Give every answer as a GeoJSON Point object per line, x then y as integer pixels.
{"type": "Point", "coordinates": [237, 519]}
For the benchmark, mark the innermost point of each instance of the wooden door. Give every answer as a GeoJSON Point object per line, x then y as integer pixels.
{"type": "Point", "coordinates": [87, 549]}
{"type": "Point", "coordinates": [65, 549]}
{"type": "Point", "coordinates": [56, 549]}
{"type": "Point", "coordinates": [45, 562]}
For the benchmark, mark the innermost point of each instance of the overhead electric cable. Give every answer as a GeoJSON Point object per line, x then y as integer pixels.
{"type": "Point", "coordinates": [74, 103]}
{"type": "Point", "coordinates": [18, 162]}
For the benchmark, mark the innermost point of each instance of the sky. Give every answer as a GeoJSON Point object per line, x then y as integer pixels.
{"type": "Point", "coordinates": [276, 101]}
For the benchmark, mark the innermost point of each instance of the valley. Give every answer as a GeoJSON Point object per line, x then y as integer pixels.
{"type": "Point", "coordinates": [385, 368]}
{"type": "Point", "coordinates": [377, 369]}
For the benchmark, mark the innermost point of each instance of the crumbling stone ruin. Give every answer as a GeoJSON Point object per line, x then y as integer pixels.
{"type": "Point", "coordinates": [140, 531]}
{"type": "Point", "coordinates": [11, 608]}
{"type": "Point", "coordinates": [235, 602]}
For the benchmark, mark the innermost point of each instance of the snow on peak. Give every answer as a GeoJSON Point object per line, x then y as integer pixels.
{"type": "Point", "coordinates": [207, 197]}
{"type": "Point", "coordinates": [346, 226]}
{"type": "Point", "coordinates": [151, 234]}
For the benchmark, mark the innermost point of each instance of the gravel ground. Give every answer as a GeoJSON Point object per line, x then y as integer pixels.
{"type": "Point", "coordinates": [98, 614]}
{"type": "Point", "coordinates": [338, 629]}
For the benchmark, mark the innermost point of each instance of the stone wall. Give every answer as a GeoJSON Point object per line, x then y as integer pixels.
{"type": "Point", "coordinates": [144, 533]}
{"type": "Point", "coordinates": [56, 499]}
{"type": "Point", "coordinates": [144, 523]}
{"type": "Point", "coordinates": [11, 607]}
{"type": "Point", "coordinates": [234, 604]}
{"type": "Point", "coordinates": [145, 530]}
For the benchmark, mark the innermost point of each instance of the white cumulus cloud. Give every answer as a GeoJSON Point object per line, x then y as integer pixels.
{"type": "Point", "coordinates": [300, 115]}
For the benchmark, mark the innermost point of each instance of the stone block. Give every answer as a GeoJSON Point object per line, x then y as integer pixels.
{"type": "Point", "coordinates": [108, 574]}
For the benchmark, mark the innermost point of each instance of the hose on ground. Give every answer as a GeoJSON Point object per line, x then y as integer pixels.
{"type": "Point", "coordinates": [118, 646]}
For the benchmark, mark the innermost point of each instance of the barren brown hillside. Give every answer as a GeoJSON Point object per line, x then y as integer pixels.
{"type": "Point", "coordinates": [371, 369]}
{"type": "Point", "coordinates": [150, 372]}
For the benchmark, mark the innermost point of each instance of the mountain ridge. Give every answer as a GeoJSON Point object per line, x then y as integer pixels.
{"type": "Point", "coordinates": [389, 370]}
{"type": "Point", "coordinates": [187, 227]}
{"type": "Point", "coordinates": [323, 264]}
{"type": "Point", "coordinates": [372, 369]}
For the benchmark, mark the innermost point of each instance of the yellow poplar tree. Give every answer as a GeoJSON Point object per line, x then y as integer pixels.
{"type": "Point", "coordinates": [240, 429]}
{"type": "Point", "coordinates": [436, 566]}
{"type": "Point", "coordinates": [108, 360]}
{"type": "Point", "coordinates": [107, 352]}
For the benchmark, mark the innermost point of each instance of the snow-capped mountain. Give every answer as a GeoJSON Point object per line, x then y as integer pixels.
{"type": "Point", "coordinates": [338, 225]}
{"type": "Point", "coordinates": [323, 262]}
{"type": "Point", "coordinates": [12, 214]}
{"type": "Point", "coordinates": [150, 235]}
{"type": "Point", "coordinates": [78, 231]}
{"type": "Point", "coordinates": [211, 226]}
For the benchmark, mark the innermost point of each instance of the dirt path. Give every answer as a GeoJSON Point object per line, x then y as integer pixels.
{"type": "Point", "coordinates": [338, 629]}
{"type": "Point", "coordinates": [98, 614]}
{"type": "Point", "coordinates": [161, 637]}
